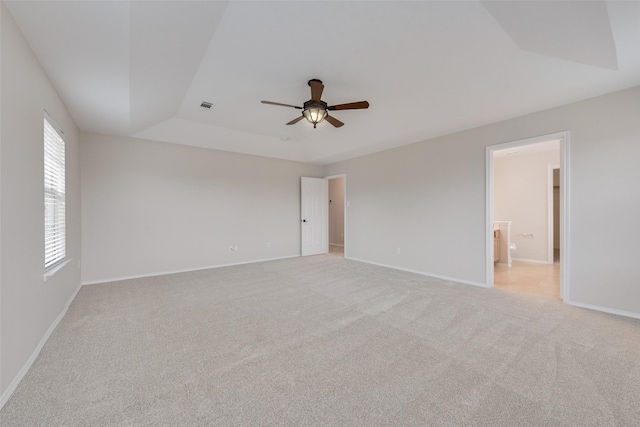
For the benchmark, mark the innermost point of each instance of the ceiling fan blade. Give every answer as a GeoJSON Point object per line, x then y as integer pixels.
{"type": "Point", "coordinates": [316, 89]}
{"type": "Point", "coordinates": [349, 106]}
{"type": "Point", "coordinates": [296, 120]}
{"type": "Point", "coordinates": [335, 122]}
{"type": "Point", "coordinates": [282, 105]}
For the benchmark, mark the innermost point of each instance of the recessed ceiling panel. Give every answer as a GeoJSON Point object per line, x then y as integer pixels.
{"type": "Point", "coordinates": [427, 68]}
{"type": "Point", "coordinates": [168, 42]}
{"type": "Point", "coordinates": [573, 30]}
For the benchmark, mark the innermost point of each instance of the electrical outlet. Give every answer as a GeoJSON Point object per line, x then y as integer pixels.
{"type": "Point", "coordinates": [397, 251]}
{"type": "Point", "coordinates": [268, 244]}
{"type": "Point", "coordinates": [235, 248]}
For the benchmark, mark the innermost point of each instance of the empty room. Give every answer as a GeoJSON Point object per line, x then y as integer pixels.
{"type": "Point", "coordinates": [303, 213]}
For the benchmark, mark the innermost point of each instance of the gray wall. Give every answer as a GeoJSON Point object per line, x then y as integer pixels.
{"type": "Point", "coordinates": [28, 304]}
{"type": "Point", "coordinates": [151, 207]}
{"type": "Point", "coordinates": [429, 199]}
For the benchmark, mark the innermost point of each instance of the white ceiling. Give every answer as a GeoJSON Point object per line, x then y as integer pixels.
{"type": "Point", "coordinates": [428, 68]}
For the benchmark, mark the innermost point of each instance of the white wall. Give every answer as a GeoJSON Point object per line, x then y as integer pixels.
{"type": "Point", "coordinates": [429, 199]}
{"type": "Point", "coordinates": [336, 211]}
{"type": "Point", "coordinates": [521, 195]}
{"type": "Point", "coordinates": [151, 207]}
{"type": "Point", "coordinates": [29, 305]}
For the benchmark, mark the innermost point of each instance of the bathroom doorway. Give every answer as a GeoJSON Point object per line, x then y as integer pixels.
{"type": "Point", "coordinates": [520, 216]}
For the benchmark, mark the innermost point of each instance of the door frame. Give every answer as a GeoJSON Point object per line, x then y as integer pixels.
{"type": "Point", "coordinates": [550, 215]}
{"type": "Point", "coordinates": [564, 206]}
{"type": "Point", "coordinates": [344, 210]}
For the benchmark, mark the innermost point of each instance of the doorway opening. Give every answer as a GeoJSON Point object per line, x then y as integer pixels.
{"type": "Point", "coordinates": [337, 217]}
{"type": "Point", "coordinates": [527, 213]}
{"type": "Point", "coordinates": [323, 216]}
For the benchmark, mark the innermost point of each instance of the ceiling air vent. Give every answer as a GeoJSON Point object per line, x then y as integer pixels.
{"type": "Point", "coordinates": [206, 105]}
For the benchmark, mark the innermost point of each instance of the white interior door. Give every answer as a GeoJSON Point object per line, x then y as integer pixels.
{"type": "Point", "coordinates": [314, 212]}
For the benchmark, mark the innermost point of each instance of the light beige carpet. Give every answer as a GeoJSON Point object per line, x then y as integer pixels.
{"type": "Point", "coordinates": [327, 341]}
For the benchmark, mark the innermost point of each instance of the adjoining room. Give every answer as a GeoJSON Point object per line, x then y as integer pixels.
{"type": "Point", "coordinates": [527, 213]}
{"type": "Point", "coordinates": [337, 201]}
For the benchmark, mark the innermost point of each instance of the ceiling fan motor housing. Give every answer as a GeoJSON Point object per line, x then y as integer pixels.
{"type": "Point", "coordinates": [315, 104]}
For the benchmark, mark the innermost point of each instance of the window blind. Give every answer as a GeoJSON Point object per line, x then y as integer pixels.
{"type": "Point", "coordinates": [54, 194]}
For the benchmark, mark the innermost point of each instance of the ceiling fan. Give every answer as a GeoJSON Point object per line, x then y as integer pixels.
{"type": "Point", "coordinates": [315, 110]}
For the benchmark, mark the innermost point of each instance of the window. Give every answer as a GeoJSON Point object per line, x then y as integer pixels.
{"type": "Point", "coordinates": [54, 191]}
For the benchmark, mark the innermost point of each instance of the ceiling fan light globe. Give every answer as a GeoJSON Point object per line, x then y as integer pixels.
{"type": "Point", "coordinates": [315, 115]}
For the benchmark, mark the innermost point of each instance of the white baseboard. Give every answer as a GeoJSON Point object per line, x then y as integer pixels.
{"type": "Point", "coordinates": [606, 309]}
{"type": "Point", "coordinates": [423, 273]}
{"type": "Point", "coordinates": [14, 384]}
{"type": "Point", "coordinates": [163, 273]}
